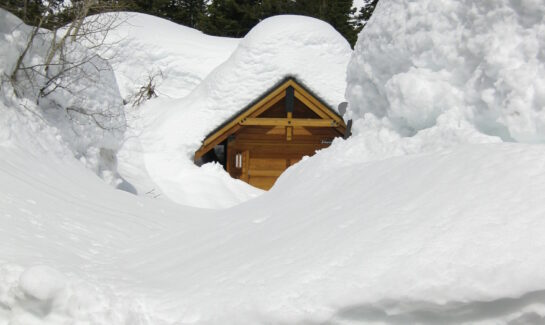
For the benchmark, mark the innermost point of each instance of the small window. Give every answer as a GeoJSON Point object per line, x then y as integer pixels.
{"type": "Point", "coordinates": [238, 160]}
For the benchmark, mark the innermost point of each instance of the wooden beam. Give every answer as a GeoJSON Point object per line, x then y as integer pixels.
{"type": "Point", "coordinates": [216, 138]}
{"type": "Point", "coordinates": [268, 101]}
{"type": "Point", "coordinates": [299, 95]}
{"type": "Point", "coordinates": [289, 129]}
{"type": "Point", "coordinates": [257, 109]}
{"type": "Point", "coordinates": [306, 122]}
{"type": "Point", "coordinates": [314, 105]}
{"type": "Point", "coordinates": [207, 147]}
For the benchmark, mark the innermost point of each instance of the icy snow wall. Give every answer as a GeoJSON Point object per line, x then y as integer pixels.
{"type": "Point", "coordinates": [306, 48]}
{"type": "Point", "coordinates": [482, 61]}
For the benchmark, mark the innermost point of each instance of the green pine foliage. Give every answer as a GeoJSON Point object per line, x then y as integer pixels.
{"type": "Point", "coordinates": [186, 12]}
{"type": "Point", "coordinates": [236, 17]}
{"type": "Point", "coordinates": [233, 18]}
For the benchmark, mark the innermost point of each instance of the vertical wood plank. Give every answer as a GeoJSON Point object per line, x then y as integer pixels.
{"type": "Point", "coordinates": [245, 166]}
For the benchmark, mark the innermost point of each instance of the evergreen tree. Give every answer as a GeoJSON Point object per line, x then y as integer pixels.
{"type": "Point", "coordinates": [236, 17]}
{"type": "Point", "coordinates": [367, 10]}
{"type": "Point", "coordinates": [185, 12]}
{"type": "Point", "coordinates": [338, 13]}
{"type": "Point", "coordinates": [231, 17]}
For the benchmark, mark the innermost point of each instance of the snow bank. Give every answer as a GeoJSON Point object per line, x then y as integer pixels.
{"type": "Point", "coordinates": [142, 45]}
{"type": "Point", "coordinates": [306, 48]}
{"type": "Point", "coordinates": [484, 61]}
{"type": "Point", "coordinates": [451, 236]}
{"type": "Point", "coordinates": [413, 239]}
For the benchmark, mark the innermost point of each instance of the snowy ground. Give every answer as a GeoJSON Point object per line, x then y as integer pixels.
{"type": "Point", "coordinates": [442, 236]}
{"type": "Point", "coordinates": [426, 215]}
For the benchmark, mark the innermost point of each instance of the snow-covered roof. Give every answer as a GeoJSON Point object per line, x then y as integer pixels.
{"type": "Point", "coordinates": [266, 93]}
{"type": "Point", "coordinates": [305, 48]}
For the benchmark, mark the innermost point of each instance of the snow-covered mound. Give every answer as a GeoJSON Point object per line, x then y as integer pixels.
{"type": "Point", "coordinates": [84, 112]}
{"type": "Point", "coordinates": [307, 48]}
{"type": "Point", "coordinates": [180, 57]}
{"type": "Point", "coordinates": [454, 236]}
{"type": "Point", "coordinates": [481, 61]}
{"type": "Point", "coordinates": [62, 231]}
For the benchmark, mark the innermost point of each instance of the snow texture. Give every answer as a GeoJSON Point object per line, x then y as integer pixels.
{"type": "Point", "coordinates": [41, 282]}
{"type": "Point", "coordinates": [481, 60]}
{"type": "Point", "coordinates": [424, 216]}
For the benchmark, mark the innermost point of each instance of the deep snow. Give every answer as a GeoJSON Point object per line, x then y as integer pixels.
{"type": "Point", "coordinates": [418, 238]}
{"type": "Point", "coordinates": [423, 216]}
{"type": "Point", "coordinates": [477, 61]}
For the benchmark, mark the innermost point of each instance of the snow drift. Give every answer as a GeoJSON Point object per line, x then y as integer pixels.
{"type": "Point", "coordinates": [482, 61]}
{"type": "Point", "coordinates": [416, 239]}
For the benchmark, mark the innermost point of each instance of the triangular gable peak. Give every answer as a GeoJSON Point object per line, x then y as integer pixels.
{"type": "Point", "coordinates": [260, 113]}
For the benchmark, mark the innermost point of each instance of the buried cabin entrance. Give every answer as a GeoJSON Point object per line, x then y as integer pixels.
{"type": "Point", "coordinates": [271, 134]}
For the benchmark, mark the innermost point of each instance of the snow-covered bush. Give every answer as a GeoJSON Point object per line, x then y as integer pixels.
{"type": "Point", "coordinates": [76, 92]}
{"type": "Point", "coordinates": [483, 61]}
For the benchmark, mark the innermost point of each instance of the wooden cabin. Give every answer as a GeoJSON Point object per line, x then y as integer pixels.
{"type": "Point", "coordinates": [274, 132]}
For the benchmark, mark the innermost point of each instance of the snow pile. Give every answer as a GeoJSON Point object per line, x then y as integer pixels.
{"type": "Point", "coordinates": [477, 61]}
{"type": "Point", "coordinates": [85, 108]}
{"type": "Point", "coordinates": [181, 57]}
{"type": "Point", "coordinates": [303, 47]}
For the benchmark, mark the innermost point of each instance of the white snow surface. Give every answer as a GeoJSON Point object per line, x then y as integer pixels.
{"type": "Point", "coordinates": [443, 226]}
{"type": "Point", "coordinates": [481, 60]}
{"type": "Point", "coordinates": [454, 236]}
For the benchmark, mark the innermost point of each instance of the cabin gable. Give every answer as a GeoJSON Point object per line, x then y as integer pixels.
{"type": "Point", "coordinates": [259, 143]}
